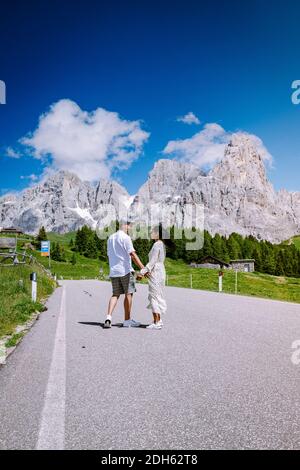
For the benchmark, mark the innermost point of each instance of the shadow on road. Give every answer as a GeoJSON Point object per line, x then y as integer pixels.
{"type": "Point", "coordinates": [116, 325]}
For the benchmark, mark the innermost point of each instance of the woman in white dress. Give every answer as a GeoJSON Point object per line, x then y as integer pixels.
{"type": "Point", "coordinates": [155, 271]}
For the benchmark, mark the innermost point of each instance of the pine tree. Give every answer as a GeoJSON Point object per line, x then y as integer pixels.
{"type": "Point", "coordinates": [258, 260]}
{"type": "Point", "coordinates": [226, 256]}
{"type": "Point", "coordinates": [270, 263]}
{"type": "Point", "coordinates": [233, 247]}
{"type": "Point", "coordinates": [74, 259]}
{"type": "Point", "coordinates": [280, 270]}
{"type": "Point", "coordinates": [101, 247]}
{"type": "Point", "coordinates": [58, 252]}
{"type": "Point", "coordinates": [207, 247]}
{"type": "Point", "coordinates": [217, 247]}
{"type": "Point", "coordinates": [42, 235]}
{"type": "Point", "coordinates": [247, 248]}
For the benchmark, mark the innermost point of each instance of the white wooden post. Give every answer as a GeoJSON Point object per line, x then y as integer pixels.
{"type": "Point", "coordinates": [236, 281]}
{"type": "Point", "coordinates": [33, 278]}
{"type": "Point", "coordinates": [220, 281]}
{"type": "Point", "coordinates": [191, 281]}
{"type": "Point", "coordinates": [167, 280]}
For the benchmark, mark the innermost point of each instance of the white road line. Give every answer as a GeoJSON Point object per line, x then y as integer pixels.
{"type": "Point", "coordinates": [52, 427]}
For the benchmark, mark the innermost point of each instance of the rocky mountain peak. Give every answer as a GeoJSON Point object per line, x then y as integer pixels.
{"type": "Point", "coordinates": [236, 195]}
{"type": "Point", "coordinates": [168, 178]}
{"type": "Point", "coordinates": [243, 164]}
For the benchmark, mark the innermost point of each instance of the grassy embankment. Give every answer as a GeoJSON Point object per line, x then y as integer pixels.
{"type": "Point", "coordinates": [16, 306]}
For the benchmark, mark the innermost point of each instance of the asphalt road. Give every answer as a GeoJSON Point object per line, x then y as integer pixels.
{"type": "Point", "coordinates": [219, 375]}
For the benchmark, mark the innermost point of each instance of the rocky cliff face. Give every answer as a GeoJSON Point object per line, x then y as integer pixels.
{"type": "Point", "coordinates": [236, 196]}
{"type": "Point", "coordinates": [62, 203]}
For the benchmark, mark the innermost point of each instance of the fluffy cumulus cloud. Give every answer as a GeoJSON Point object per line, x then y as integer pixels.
{"type": "Point", "coordinates": [207, 147]}
{"type": "Point", "coordinates": [90, 144]}
{"type": "Point", "coordinates": [203, 149]}
{"type": "Point", "coordinates": [189, 118]}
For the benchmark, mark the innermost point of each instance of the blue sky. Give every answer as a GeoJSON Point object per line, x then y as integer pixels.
{"type": "Point", "coordinates": [229, 62]}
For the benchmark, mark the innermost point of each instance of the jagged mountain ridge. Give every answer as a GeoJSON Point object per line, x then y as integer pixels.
{"type": "Point", "coordinates": [236, 194]}
{"type": "Point", "coordinates": [61, 203]}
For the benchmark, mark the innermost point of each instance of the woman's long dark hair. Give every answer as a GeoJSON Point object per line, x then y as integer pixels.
{"type": "Point", "coordinates": [164, 236]}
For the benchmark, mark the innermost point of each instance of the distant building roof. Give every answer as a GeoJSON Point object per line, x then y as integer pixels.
{"type": "Point", "coordinates": [11, 230]}
{"type": "Point", "coordinates": [242, 261]}
{"type": "Point", "coordinates": [216, 260]}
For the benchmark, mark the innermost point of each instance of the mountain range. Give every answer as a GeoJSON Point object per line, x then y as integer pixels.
{"type": "Point", "coordinates": [236, 195]}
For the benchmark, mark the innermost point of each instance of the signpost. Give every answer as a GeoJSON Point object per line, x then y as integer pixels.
{"type": "Point", "coordinates": [45, 250]}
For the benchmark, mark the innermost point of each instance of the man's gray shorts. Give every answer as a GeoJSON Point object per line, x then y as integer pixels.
{"type": "Point", "coordinates": [123, 285]}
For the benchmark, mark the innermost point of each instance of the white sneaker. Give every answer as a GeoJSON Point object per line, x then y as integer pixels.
{"type": "Point", "coordinates": [160, 322]}
{"type": "Point", "coordinates": [154, 326]}
{"type": "Point", "coordinates": [131, 324]}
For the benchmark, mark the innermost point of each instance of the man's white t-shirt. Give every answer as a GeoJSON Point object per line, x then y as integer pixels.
{"type": "Point", "coordinates": [119, 247]}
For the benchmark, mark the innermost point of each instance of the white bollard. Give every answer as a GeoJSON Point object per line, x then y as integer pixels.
{"type": "Point", "coordinates": [191, 281]}
{"type": "Point", "coordinates": [33, 278]}
{"type": "Point", "coordinates": [236, 281]}
{"type": "Point", "coordinates": [220, 281]}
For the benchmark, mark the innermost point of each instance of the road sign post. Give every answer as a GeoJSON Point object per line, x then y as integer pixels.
{"type": "Point", "coordinates": [45, 250]}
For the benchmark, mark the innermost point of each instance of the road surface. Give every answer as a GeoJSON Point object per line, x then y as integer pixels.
{"type": "Point", "coordinates": [219, 375]}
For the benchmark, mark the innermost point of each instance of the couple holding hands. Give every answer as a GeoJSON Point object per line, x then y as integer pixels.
{"type": "Point", "coordinates": [121, 254]}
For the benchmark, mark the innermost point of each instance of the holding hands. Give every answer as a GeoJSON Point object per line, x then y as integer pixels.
{"type": "Point", "coordinates": [143, 273]}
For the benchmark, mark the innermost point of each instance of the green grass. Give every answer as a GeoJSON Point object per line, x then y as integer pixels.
{"type": "Point", "coordinates": [296, 241]}
{"type": "Point", "coordinates": [252, 284]}
{"type": "Point", "coordinates": [13, 341]}
{"type": "Point", "coordinates": [84, 268]}
{"type": "Point", "coordinates": [63, 239]}
{"type": "Point", "coordinates": [16, 306]}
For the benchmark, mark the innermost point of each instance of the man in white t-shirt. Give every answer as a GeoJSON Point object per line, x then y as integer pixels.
{"type": "Point", "coordinates": [121, 253]}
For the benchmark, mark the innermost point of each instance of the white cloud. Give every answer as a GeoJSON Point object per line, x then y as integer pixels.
{"type": "Point", "coordinates": [206, 148]}
{"type": "Point", "coordinates": [90, 144]}
{"type": "Point", "coordinates": [31, 177]}
{"type": "Point", "coordinates": [11, 153]}
{"type": "Point", "coordinates": [189, 118]}
{"type": "Point", "coordinates": [203, 149]}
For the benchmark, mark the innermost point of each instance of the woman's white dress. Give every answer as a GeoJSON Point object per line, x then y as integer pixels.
{"type": "Point", "coordinates": [157, 278]}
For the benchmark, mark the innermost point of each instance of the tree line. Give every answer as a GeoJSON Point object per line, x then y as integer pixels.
{"type": "Point", "coordinates": [277, 259]}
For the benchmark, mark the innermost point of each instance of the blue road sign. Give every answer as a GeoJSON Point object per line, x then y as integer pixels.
{"type": "Point", "coordinates": [45, 247]}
